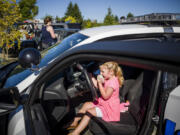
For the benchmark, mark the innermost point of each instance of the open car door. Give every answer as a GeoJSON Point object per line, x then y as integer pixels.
{"type": "Point", "coordinates": [17, 117]}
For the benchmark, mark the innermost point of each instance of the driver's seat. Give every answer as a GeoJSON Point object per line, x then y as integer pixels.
{"type": "Point", "coordinates": [131, 120]}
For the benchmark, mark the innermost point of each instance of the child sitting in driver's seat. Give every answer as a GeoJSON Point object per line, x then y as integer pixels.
{"type": "Point", "coordinates": [108, 105]}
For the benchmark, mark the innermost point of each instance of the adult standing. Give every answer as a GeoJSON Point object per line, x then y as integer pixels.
{"type": "Point", "coordinates": [48, 35]}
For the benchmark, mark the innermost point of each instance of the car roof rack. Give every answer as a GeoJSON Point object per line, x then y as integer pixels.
{"type": "Point", "coordinates": [163, 19]}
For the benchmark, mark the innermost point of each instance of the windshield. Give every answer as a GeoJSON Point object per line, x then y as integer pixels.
{"type": "Point", "coordinates": [67, 43]}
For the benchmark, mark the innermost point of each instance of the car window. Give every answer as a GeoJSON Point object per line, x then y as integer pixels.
{"type": "Point", "coordinates": [67, 87]}
{"type": "Point", "coordinates": [48, 56]}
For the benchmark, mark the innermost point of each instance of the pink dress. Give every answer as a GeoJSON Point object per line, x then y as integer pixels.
{"type": "Point", "coordinates": [110, 108]}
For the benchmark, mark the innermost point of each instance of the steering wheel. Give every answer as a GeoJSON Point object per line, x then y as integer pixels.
{"type": "Point", "coordinates": [89, 81]}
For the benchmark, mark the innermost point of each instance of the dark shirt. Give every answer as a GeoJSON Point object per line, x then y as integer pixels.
{"type": "Point", "coordinates": [46, 36]}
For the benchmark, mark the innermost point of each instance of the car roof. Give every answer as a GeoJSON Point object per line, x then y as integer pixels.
{"type": "Point", "coordinates": [125, 28]}
{"type": "Point", "coordinates": [110, 28]}
{"type": "Point", "coordinates": [102, 32]}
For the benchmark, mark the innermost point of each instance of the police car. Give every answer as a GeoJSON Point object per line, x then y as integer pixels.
{"type": "Point", "coordinates": [46, 95]}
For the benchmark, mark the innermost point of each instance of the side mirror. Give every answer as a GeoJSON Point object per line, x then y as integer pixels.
{"type": "Point", "coordinates": [9, 99]}
{"type": "Point", "coordinates": [29, 57]}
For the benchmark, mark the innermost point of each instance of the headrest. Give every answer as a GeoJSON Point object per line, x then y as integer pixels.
{"type": "Point", "coordinates": [126, 86]}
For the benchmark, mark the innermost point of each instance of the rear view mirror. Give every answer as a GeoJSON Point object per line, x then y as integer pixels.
{"type": "Point", "coordinates": [9, 99]}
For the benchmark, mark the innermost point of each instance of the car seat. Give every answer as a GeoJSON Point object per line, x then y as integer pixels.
{"type": "Point", "coordinates": [125, 89]}
{"type": "Point", "coordinates": [130, 121]}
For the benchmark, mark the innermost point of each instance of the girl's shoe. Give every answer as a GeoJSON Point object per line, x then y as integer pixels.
{"type": "Point", "coordinates": [71, 127]}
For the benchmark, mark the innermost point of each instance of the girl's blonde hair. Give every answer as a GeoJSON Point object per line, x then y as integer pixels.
{"type": "Point", "coordinates": [113, 66]}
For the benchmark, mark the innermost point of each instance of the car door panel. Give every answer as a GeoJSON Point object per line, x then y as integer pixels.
{"type": "Point", "coordinates": [19, 118]}
{"type": "Point", "coordinates": [11, 111]}
{"type": "Point", "coordinates": [39, 120]}
{"type": "Point", "coordinates": [172, 110]}
{"type": "Point", "coordinates": [27, 120]}
{"type": "Point", "coordinates": [16, 124]}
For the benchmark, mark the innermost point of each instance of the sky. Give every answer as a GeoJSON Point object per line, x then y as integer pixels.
{"type": "Point", "coordinates": [97, 9]}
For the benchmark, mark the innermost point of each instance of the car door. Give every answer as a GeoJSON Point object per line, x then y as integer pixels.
{"type": "Point", "coordinates": [10, 105]}
{"type": "Point", "coordinates": [17, 117]}
{"type": "Point", "coordinates": [171, 99]}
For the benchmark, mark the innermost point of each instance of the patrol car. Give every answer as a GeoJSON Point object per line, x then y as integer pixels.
{"type": "Point", "coordinates": [47, 95]}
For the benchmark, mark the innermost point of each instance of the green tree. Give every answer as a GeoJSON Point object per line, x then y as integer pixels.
{"type": "Point", "coordinates": [58, 19]}
{"type": "Point", "coordinates": [122, 17]}
{"type": "Point", "coordinates": [28, 9]}
{"type": "Point", "coordinates": [73, 11]}
{"type": "Point", "coordinates": [109, 18]}
{"type": "Point", "coordinates": [69, 11]}
{"type": "Point", "coordinates": [130, 15]}
{"type": "Point", "coordinates": [116, 19]}
{"type": "Point", "coordinates": [9, 15]}
{"type": "Point", "coordinates": [77, 14]}
{"type": "Point", "coordinates": [87, 23]}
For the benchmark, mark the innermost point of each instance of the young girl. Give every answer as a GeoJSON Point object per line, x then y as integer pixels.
{"type": "Point", "coordinates": [108, 105]}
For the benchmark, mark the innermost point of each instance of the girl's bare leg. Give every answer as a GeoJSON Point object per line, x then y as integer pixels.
{"type": "Point", "coordinates": [84, 122]}
{"type": "Point", "coordinates": [86, 106]}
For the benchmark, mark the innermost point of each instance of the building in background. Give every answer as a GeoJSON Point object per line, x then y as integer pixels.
{"type": "Point", "coordinates": [170, 18]}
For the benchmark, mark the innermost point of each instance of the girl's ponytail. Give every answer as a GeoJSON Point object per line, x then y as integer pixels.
{"type": "Point", "coordinates": [119, 74]}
